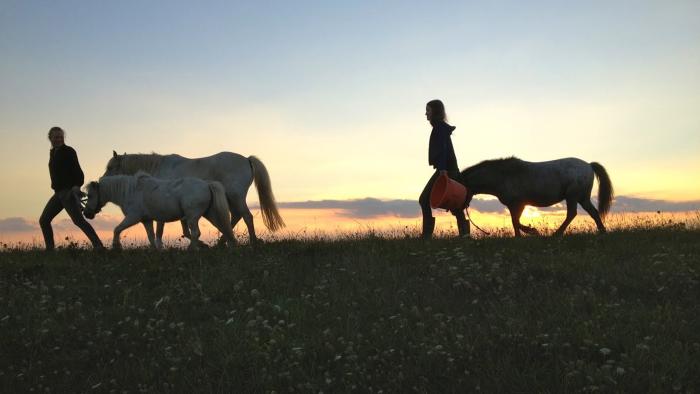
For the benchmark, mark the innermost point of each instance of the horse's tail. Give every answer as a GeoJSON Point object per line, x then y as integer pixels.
{"type": "Point", "coordinates": [605, 189]}
{"type": "Point", "coordinates": [270, 214]}
{"type": "Point", "coordinates": [218, 209]}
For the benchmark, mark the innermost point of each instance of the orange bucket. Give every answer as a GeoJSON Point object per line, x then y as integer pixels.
{"type": "Point", "coordinates": [448, 194]}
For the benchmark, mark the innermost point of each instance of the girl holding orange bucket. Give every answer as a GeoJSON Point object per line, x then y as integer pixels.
{"type": "Point", "coordinates": [441, 156]}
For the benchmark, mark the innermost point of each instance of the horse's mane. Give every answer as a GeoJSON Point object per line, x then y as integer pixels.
{"type": "Point", "coordinates": [507, 166]}
{"type": "Point", "coordinates": [118, 187]}
{"type": "Point", "coordinates": [148, 162]}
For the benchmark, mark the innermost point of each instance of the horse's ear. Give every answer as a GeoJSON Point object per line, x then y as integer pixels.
{"type": "Point", "coordinates": [114, 153]}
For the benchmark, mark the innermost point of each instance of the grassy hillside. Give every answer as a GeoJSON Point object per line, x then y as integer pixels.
{"type": "Point", "coordinates": [619, 312]}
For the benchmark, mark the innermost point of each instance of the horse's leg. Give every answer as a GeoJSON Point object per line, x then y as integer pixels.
{"type": "Point", "coordinates": [226, 232]}
{"type": "Point", "coordinates": [148, 225]}
{"type": "Point", "coordinates": [193, 224]}
{"type": "Point", "coordinates": [588, 207]}
{"type": "Point", "coordinates": [227, 237]}
{"type": "Point", "coordinates": [515, 212]}
{"type": "Point", "coordinates": [570, 215]}
{"type": "Point", "coordinates": [529, 229]}
{"type": "Point", "coordinates": [235, 218]}
{"type": "Point", "coordinates": [248, 219]}
{"type": "Point", "coordinates": [235, 215]}
{"type": "Point", "coordinates": [240, 209]}
{"type": "Point", "coordinates": [126, 223]}
{"type": "Point", "coordinates": [187, 233]}
{"type": "Point", "coordinates": [185, 229]}
{"type": "Point", "coordinates": [159, 234]}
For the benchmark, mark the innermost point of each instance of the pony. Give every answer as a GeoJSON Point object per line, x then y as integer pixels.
{"type": "Point", "coordinates": [517, 183]}
{"type": "Point", "coordinates": [144, 198]}
{"type": "Point", "coordinates": [235, 172]}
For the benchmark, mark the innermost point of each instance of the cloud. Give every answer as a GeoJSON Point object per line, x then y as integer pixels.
{"type": "Point", "coordinates": [373, 207]}
{"type": "Point", "coordinates": [101, 222]}
{"type": "Point", "coordinates": [17, 225]}
{"type": "Point", "coordinates": [24, 225]}
{"type": "Point", "coordinates": [487, 206]}
{"type": "Point", "coordinates": [634, 204]}
{"type": "Point", "coordinates": [368, 207]}
{"type": "Point", "coordinates": [361, 208]}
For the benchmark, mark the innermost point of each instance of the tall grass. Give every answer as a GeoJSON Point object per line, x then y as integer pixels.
{"type": "Point", "coordinates": [617, 312]}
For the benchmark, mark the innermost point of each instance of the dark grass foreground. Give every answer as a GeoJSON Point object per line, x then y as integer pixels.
{"type": "Point", "coordinates": [612, 313]}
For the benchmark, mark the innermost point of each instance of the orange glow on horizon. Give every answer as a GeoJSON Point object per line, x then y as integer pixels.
{"type": "Point", "coordinates": [315, 223]}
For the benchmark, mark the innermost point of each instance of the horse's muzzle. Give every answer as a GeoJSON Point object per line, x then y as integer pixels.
{"type": "Point", "coordinates": [468, 200]}
{"type": "Point", "coordinates": [89, 213]}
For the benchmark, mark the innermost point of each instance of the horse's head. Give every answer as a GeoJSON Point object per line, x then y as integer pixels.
{"type": "Point", "coordinates": [468, 199]}
{"type": "Point", "coordinates": [478, 178]}
{"type": "Point", "coordinates": [94, 204]}
{"type": "Point", "coordinates": [114, 165]}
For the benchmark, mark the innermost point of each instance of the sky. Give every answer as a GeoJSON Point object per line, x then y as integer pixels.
{"type": "Point", "coordinates": [331, 95]}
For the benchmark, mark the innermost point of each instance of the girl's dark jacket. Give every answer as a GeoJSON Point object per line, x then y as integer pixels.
{"type": "Point", "coordinates": [441, 154]}
{"type": "Point", "coordinates": [64, 168]}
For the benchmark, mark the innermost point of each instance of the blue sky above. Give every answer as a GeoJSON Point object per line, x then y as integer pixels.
{"type": "Point", "coordinates": [331, 94]}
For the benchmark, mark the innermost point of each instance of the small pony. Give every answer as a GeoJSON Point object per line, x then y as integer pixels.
{"type": "Point", "coordinates": [517, 183]}
{"type": "Point", "coordinates": [144, 198]}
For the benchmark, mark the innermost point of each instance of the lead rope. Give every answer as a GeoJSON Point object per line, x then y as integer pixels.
{"type": "Point", "coordinates": [472, 222]}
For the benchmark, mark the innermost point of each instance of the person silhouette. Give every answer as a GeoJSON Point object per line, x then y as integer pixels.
{"type": "Point", "coordinates": [441, 155]}
{"type": "Point", "coordinates": [66, 179]}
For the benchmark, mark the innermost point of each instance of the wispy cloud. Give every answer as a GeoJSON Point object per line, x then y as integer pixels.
{"type": "Point", "coordinates": [368, 208]}
{"type": "Point", "coordinates": [360, 208]}
{"type": "Point", "coordinates": [102, 222]}
{"type": "Point", "coordinates": [24, 225]}
{"type": "Point", "coordinates": [374, 207]}
{"type": "Point", "coordinates": [17, 225]}
{"type": "Point", "coordinates": [634, 204]}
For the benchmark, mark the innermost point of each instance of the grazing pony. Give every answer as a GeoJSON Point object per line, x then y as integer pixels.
{"type": "Point", "coordinates": [144, 198]}
{"type": "Point", "coordinates": [517, 183]}
{"type": "Point", "coordinates": [235, 172]}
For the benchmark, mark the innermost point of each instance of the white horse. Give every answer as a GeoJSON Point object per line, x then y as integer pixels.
{"type": "Point", "coordinates": [234, 171]}
{"type": "Point", "coordinates": [143, 198]}
{"type": "Point", "coordinates": [517, 183]}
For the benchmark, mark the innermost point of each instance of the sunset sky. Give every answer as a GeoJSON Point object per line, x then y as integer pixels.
{"type": "Point", "coordinates": [331, 95]}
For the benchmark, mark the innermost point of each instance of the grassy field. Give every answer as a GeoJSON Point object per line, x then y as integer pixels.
{"type": "Point", "coordinates": [612, 313]}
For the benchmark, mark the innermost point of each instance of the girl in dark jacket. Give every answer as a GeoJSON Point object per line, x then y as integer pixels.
{"type": "Point", "coordinates": [66, 179]}
{"type": "Point", "coordinates": [441, 156]}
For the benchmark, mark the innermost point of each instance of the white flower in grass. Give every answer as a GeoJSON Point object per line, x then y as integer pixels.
{"type": "Point", "coordinates": [605, 351]}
